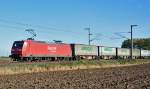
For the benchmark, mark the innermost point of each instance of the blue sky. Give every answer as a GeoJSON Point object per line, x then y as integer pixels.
{"type": "Point", "coordinates": [66, 19]}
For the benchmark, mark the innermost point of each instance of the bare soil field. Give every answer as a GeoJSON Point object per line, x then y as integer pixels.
{"type": "Point", "coordinates": [133, 77]}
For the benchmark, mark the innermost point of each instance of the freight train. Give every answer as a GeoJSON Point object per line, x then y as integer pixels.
{"type": "Point", "coordinates": [31, 50]}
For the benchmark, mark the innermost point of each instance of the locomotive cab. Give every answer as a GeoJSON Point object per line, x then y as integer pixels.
{"type": "Point", "coordinates": [16, 51]}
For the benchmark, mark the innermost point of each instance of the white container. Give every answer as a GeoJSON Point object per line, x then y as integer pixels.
{"type": "Point", "coordinates": [88, 50]}
{"type": "Point", "coordinates": [136, 52]}
{"type": "Point", "coordinates": [145, 53]}
{"type": "Point", "coordinates": [123, 52]}
{"type": "Point", "coordinates": [107, 51]}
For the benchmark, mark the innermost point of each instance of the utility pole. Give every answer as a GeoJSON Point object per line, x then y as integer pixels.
{"type": "Point", "coordinates": [89, 35]}
{"type": "Point", "coordinates": [132, 40]}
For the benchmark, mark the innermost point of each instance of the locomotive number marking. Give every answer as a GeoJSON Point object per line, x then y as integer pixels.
{"type": "Point", "coordinates": [52, 49]}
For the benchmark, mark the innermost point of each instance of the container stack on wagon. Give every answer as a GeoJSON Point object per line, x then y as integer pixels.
{"type": "Point", "coordinates": [145, 54]}
{"type": "Point", "coordinates": [107, 52]}
{"type": "Point", "coordinates": [149, 54]}
{"type": "Point", "coordinates": [136, 53]}
{"type": "Point", "coordinates": [81, 51]}
{"type": "Point", "coordinates": [123, 53]}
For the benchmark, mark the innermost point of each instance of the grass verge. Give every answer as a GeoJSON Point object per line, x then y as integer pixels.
{"type": "Point", "coordinates": [18, 68]}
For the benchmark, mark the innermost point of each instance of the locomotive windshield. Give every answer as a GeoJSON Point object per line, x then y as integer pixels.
{"type": "Point", "coordinates": [18, 44]}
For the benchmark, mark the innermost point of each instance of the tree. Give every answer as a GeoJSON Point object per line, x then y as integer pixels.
{"type": "Point", "coordinates": [143, 43]}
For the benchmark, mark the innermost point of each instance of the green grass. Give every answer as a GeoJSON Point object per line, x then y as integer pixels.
{"type": "Point", "coordinates": [5, 58]}
{"type": "Point", "coordinates": [16, 68]}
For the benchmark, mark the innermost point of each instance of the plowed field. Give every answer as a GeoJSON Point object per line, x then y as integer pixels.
{"type": "Point", "coordinates": [133, 77]}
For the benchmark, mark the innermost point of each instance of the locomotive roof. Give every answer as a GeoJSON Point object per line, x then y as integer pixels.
{"type": "Point", "coordinates": [44, 42]}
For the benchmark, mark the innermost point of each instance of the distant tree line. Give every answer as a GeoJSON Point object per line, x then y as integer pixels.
{"type": "Point", "coordinates": [143, 43]}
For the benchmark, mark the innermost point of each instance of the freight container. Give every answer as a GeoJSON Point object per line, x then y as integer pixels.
{"type": "Point", "coordinates": [107, 52]}
{"type": "Point", "coordinates": [144, 53]}
{"type": "Point", "coordinates": [123, 52]}
{"type": "Point", "coordinates": [85, 51]}
{"type": "Point", "coordinates": [136, 52]}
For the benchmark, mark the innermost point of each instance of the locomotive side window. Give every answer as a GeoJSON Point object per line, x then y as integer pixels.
{"type": "Point", "coordinates": [18, 45]}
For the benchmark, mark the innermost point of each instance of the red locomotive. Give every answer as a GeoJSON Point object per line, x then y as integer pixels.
{"type": "Point", "coordinates": [39, 50]}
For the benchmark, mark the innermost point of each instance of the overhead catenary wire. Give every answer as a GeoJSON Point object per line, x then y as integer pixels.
{"type": "Point", "coordinates": [40, 27]}
{"type": "Point", "coordinates": [36, 26]}
{"type": "Point", "coordinates": [120, 35]}
{"type": "Point", "coordinates": [41, 31]}
{"type": "Point", "coordinates": [48, 30]}
{"type": "Point", "coordinates": [38, 30]}
{"type": "Point", "coordinates": [23, 29]}
{"type": "Point", "coordinates": [13, 27]}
